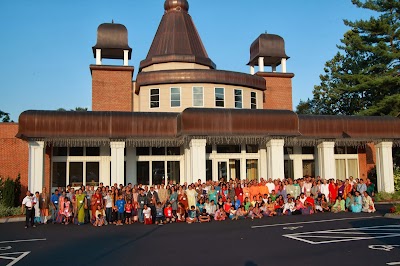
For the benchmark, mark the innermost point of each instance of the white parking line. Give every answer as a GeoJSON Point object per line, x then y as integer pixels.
{"type": "Point", "coordinates": [343, 235]}
{"type": "Point", "coordinates": [14, 260]}
{"type": "Point", "coordinates": [23, 240]}
{"type": "Point", "coordinates": [393, 263]}
{"type": "Point", "coordinates": [312, 222]}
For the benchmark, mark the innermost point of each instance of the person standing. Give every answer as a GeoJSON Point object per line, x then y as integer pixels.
{"type": "Point", "coordinates": [81, 206]}
{"type": "Point", "coordinates": [152, 199]}
{"type": "Point", "coordinates": [142, 201]}
{"type": "Point", "coordinates": [28, 204]}
{"type": "Point", "coordinates": [54, 205]}
{"type": "Point", "coordinates": [44, 206]}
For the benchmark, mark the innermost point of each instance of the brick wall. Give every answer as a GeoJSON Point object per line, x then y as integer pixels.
{"type": "Point", "coordinates": [366, 159]}
{"type": "Point", "coordinates": [112, 88]}
{"type": "Point", "coordinates": [279, 90]}
{"type": "Point", "coordinates": [14, 156]}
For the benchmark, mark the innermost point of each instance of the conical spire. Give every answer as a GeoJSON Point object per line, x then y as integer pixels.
{"type": "Point", "coordinates": [177, 39]}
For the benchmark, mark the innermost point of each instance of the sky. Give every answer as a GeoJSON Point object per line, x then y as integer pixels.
{"type": "Point", "coordinates": [46, 45]}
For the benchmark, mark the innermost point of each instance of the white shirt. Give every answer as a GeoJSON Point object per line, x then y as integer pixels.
{"type": "Point", "coordinates": [28, 202]}
{"type": "Point", "coordinates": [147, 213]}
{"type": "Point", "coordinates": [271, 186]}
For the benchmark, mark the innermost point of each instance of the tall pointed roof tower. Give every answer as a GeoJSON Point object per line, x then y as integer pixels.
{"type": "Point", "coordinates": [177, 39]}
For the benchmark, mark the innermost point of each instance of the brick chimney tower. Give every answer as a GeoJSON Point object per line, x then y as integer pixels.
{"type": "Point", "coordinates": [112, 88]}
{"type": "Point", "coordinates": [268, 50]}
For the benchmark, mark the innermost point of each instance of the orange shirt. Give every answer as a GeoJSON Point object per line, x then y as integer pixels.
{"type": "Point", "coordinates": [263, 190]}
{"type": "Point", "coordinates": [254, 191]}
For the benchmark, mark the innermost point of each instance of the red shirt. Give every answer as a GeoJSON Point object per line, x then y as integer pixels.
{"type": "Point", "coordinates": [168, 212]}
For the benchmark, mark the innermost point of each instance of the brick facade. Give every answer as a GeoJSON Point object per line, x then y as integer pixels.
{"type": "Point", "coordinates": [278, 95]}
{"type": "Point", "coordinates": [14, 156]}
{"type": "Point", "coordinates": [112, 88]}
{"type": "Point", "coordinates": [366, 160]}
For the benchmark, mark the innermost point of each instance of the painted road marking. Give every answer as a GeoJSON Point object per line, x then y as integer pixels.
{"type": "Point", "coordinates": [383, 247]}
{"type": "Point", "coordinates": [346, 234]}
{"type": "Point", "coordinates": [292, 228]}
{"type": "Point", "coordinates": [5, 248]}
{"type": "Point", "coordinates": [312, 222]}
{"type": "Point", "coordinates": [14, 257]}
{"type": "Point", "coordinates": [393, 263]}
{"type": "Point", "coordinates": [22, 240]}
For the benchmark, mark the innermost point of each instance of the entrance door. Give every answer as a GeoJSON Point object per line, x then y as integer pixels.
{"type": "Point", "coordinates": [234, 169]}
{"type": "Point", "coordinates": [223, 170]}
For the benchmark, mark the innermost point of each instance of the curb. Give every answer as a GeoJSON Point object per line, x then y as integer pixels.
{"type": "Point", "coordinates": [387, 202]}
{"type": "Point", "coordinates": [11, 220]}
{"type": "Point", "coordinates": [392, 216]}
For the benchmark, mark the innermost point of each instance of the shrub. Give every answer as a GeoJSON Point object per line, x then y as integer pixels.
{"type": "Point", "coordinates": [8, 193]}
{"type": "Point", "coordinates": [384, 196]}
{"type": "Point", "coordinates": [396, 175]}
{"type": "Point", "coordinates": [17, 190]}
{"type": "Point", "coordinates": [9, 211]}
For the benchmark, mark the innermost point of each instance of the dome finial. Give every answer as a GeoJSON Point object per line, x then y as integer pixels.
{"type": "Point", "coordinates": [176, 5]}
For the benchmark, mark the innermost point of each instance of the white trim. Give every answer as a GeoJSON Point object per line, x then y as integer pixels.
{"type": "Point", "coordinates": [202, 94]}
{"type": "Point", "coordinates": [241, 98]}
{"type": "Point", "coordinates": [215, 97]}
{"type": "Point", "coordinates": [170, 97]}
{"type": "Point", "coordinates": [159, 99]}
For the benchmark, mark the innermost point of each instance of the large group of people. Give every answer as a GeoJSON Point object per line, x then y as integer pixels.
{"type": "Point", "coordinates": [198, 202]}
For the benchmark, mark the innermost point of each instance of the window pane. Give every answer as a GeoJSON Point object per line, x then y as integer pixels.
{"type": "Point", "coordinates": [208, 170]}
{"type": "Point", "coordinates": [154, 91]}
{"type": "Point", "coordinates": [154, 98]}
{"type": "Point", "coordinates": [238, 104]}
{"type": "Point", "coordinates": [143, 173]}
{"type": "Point", "coordinates": [222, 171]}
{"type": "Point", "coordinates": [252, 169]}
{"type": "Point", "coordinates": [228, 149]}
{"type": "Point", "coordinates": [175, 103]}
{"type": "Point", "coordinates": [174, 174]}
{"type": "Point", "coordinates": [59, 175]}
{"type": "Point", "coordinates": [198, 90]}
{"type": "Point", "coordinates": [252, 148]}
{"type": "Point", "coordinates": [158, 173]}
{"type": "Point", "coordinates": [158, 151]}
{"type": "Point", "coordinates": [92, 151]}
{"type": "Point", "coordinates": [173, 151]}
{"type": "Point", "coordinates": [175, 97]}
{"type": "Point", "coordinates": [307, 150]}
{"type": "Point", "coordinates": [253, 100]}
{"type": "Point", "coordinates": [353, 168]}
{"type": "Point", "coordinates": [60, 151]}
{"type": "Point", "coordinates": [289, 171]}
{"type": "Point", "coordinates": [340, 150]}
{"type": "Point", "coordinates": [142, 151]}
{"type": "Point", "coordinates": [308, 168]}
{"type": "Point", "coordinates": [238, 93]}
{"type": "Point", "coordinates": [198, 102]}
{"type": "Point", "coordinates": [76, 151]}
{"type": "Point", "coordinates": [219, 91]}
{"type": "Point", "coordinates": [208, 148]}
{"type": "Point", "coordinates": [340, 169]}
{"type": "Point", "coordinates": [154, 105]}
{"type": "Point", "coordinates": [92, 174]}
{"type": "Point", "coordinates": [219, 103]}
{"type": "Point", "coordinates": [76, 174]}
{"type": "Point", "coordinates": [175, 91]}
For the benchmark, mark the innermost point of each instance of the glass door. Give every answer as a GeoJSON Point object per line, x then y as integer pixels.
{"type": "Point", "coordinates": [223, 170]}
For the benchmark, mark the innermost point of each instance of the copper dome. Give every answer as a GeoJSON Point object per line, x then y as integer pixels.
{"type": "Point", "coordinates": [178, 5]}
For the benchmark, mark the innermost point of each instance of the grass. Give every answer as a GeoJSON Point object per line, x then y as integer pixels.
{"type": "Point", "coordinates": [384, 196]}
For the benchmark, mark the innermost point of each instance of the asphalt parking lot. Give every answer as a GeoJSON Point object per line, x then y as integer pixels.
{"type": "Point", "coordinates": [320, 239]}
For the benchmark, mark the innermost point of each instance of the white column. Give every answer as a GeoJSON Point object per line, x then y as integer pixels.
{"type": "Point", "coordinates": [283, 63]}
{"type": "Point", "coordinates": [273, 68]}
{"type": "Point", "coordinates": [297, 163]}
{"type": "Point", "coordinates": [384, 167]}
{"type": "Point", "coordinates": [187, 174]}
{"type": "Point", "coordinates": [276, 159]}
{"type": "Point", "coordinates": [36, 166]}
{"type": "Point", "coordinates": [261, 64]}
{"type": "Point", "coordinates": [117, 162]}
{"type": "Point", "coordinates": [243, 163]}
{"type": "Point", "coordinates": [131, 164]}
{"type": "Point", "coordinates": [263, 163]}
{"type": "Point", "coordinates": [98, 57]}
{"type": "Point", "coordinates": [126, 56]}
{"type": "Point", "coordinates": [198, 159]}
{"type": "Point", "coordinates": [105, 165]}
{"type": "Point", "coordinates": [326, 160]}
{"type": "Point", "coordinates": [252, 70]}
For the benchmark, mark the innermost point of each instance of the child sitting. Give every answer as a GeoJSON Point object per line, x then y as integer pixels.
{"type": "Point", "coordinates": [220, 214]}
{"type": "Point", "coordinates": [204, 217]}
{"type": "Point", "coordinates": [169, 214]}
{"type": "Point", "coordinates": [232, 213]}
{"type": "Point", "coordinates": [100, 214]}
{"type": "Point", "coordinates": [147, 215]}
{"type": "Point", "coordinates": [241, 213]}
{"type": "Point", "coordinates": [192, 215]}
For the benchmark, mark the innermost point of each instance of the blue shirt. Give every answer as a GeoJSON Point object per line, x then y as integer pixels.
{"type": "Point", "coordinates": [237, 204]}
{"type": "Point", "coordinates": [54, 199]}
{"type": "Point", "coordinates": [192, 214]}
{"type": "Point", "coordinates": [120, 205]}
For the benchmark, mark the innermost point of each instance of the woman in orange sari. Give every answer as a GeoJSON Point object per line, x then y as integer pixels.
{"type": "Point", "coordinates": [347, 188]}
{"type": "Point", "coordinates": [182, 198]}
{"type": "Point", "coordinates": [97, 200]}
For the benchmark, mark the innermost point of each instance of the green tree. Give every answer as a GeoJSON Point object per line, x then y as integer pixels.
{"type": "Point", "coordinates": [77, 109]}
{"type": "Point", "coordinates": [5, 117]}
{"type": "Point", "coordinates": [364, 77]}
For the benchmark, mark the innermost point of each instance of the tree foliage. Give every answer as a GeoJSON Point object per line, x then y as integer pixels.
{"type": "Point", "coordinates": [4, 117]}
{"type": "Point", "coordinates": [363, 78]}
{"type": "Point", "coordinates": [77, 109]}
